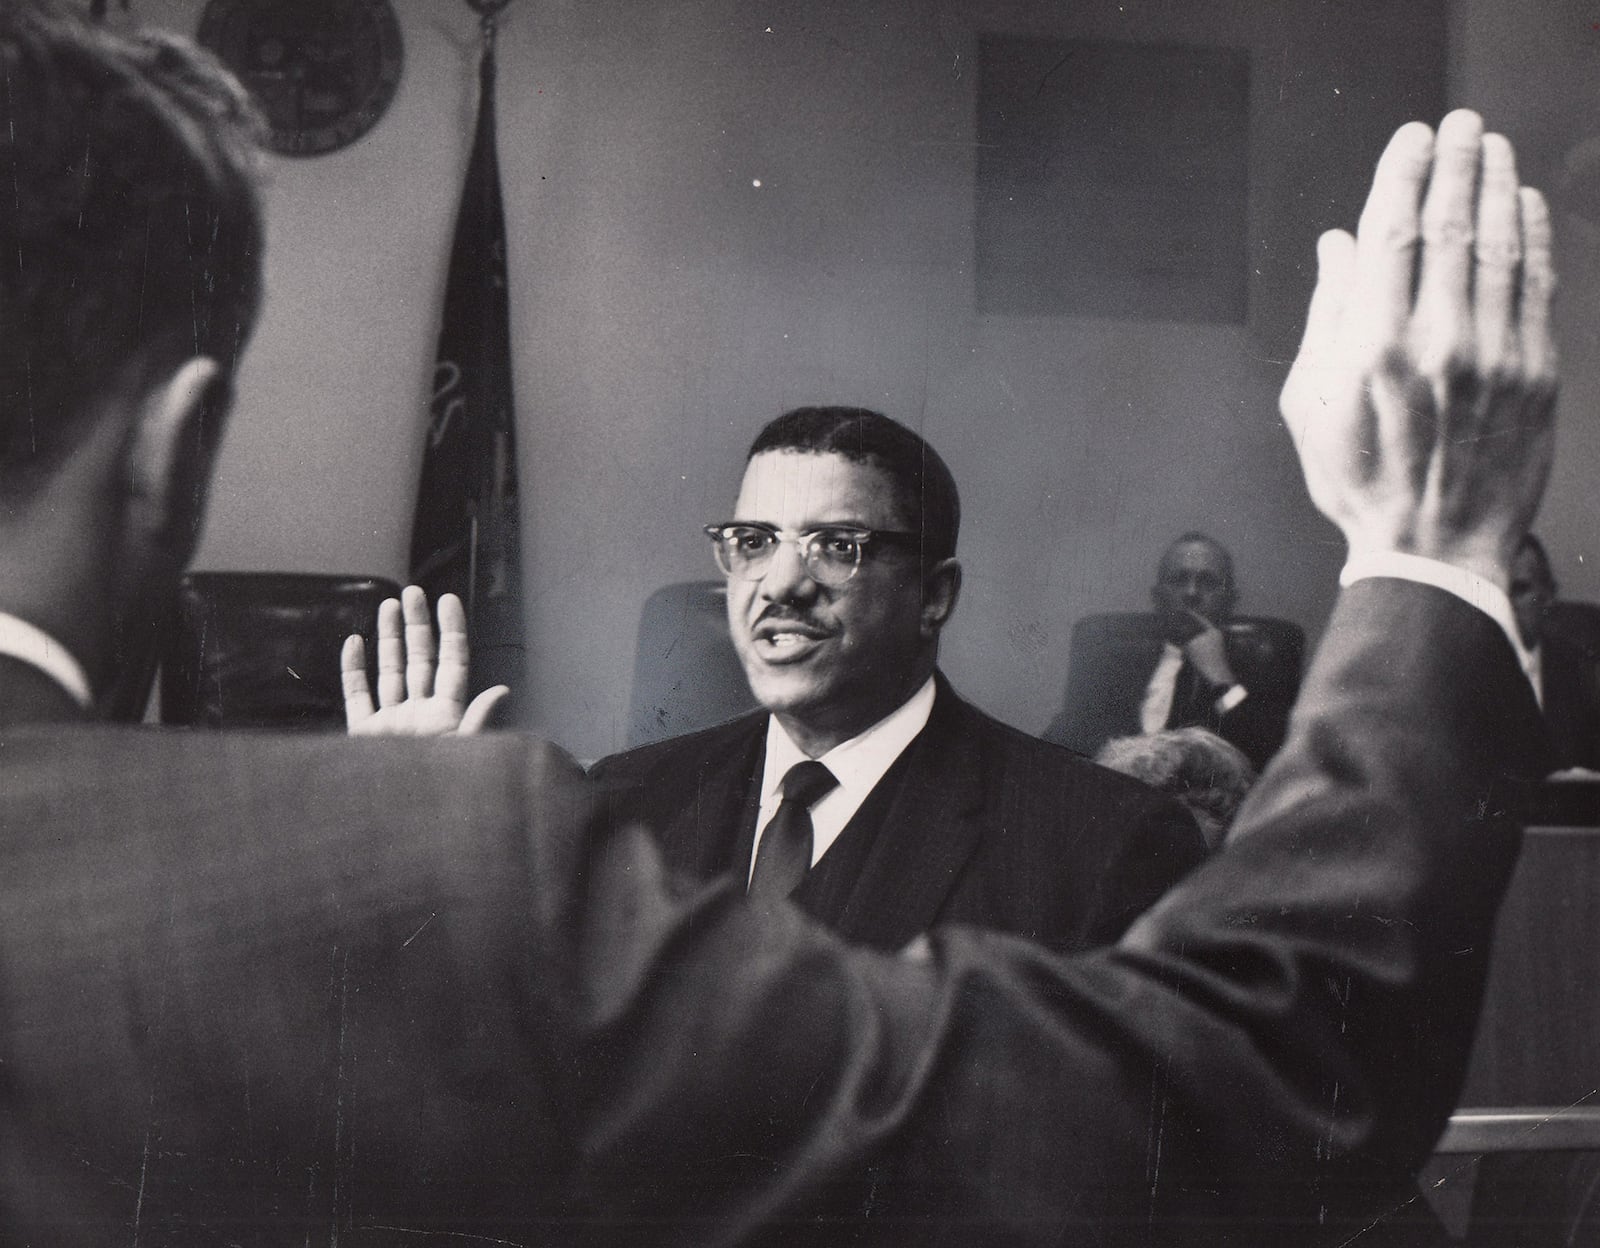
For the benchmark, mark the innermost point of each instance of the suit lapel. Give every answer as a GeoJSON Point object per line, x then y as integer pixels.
{"type": "Point", "coordinates": [713, 830]}
{"type": "Point", "coordinates": [931, 826]}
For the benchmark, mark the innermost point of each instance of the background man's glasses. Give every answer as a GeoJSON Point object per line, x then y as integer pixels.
{"type": "Point", "coordinates": [830, 556]}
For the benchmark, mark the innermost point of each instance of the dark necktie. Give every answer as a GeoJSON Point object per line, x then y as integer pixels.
{"type": "Point", "coordinates": [1187, 698]}
{"type": "Point", "coordinates": [784, 855]}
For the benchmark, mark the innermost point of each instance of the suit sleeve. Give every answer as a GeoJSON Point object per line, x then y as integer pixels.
{"type": "Point", "coordinates": [1262, 1059]}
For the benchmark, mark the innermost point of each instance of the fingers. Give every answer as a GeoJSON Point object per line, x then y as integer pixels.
{"type": "Point", "coordinates": [1421, 399]}
{"type": "Point", "coordinates": [419, 643]}
{"type": "Point", "coordinates": [481, 707]}
{"type": "Point", "coordinates": [1320, 346]}
{"type": "Point", "coordinates": [1444, 313]}
{"type": "Point", "coordinates": [1199, 619]}
{"type": "Point", "coordinates": [391, 654]}
{"type": "Point", "coordinates": [1388, 236]}
{"type": "Point", "coordinates": [1538, 288]}
{"type": "Point", "coordinates": [451, 681]}
{"type": "Point", "coordinates": [353, 677]}
{"type": "Point", "coordinates": [1336, 267]}
{"type": "Point", "coordinates": [1498, 254]}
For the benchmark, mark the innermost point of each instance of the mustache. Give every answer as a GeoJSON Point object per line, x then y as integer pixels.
{"type": "Point", "coordinates": [784, 614]}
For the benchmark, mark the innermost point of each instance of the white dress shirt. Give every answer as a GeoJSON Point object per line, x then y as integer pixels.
{"type": "Point", "coordinates": [857, 764]}
{"type": "Point", "coordinates": [30, 644]}
{"type": "Point", "coordinates": [1156, 708]}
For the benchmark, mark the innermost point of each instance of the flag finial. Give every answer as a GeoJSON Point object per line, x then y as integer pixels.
{"type": "Point", "coordinates": [488, 12]}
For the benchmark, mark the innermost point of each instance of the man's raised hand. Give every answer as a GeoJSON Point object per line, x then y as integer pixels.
{"type": "Point", "coordinates": [1422, 400]}
{"type": "Point", "coordinates": [1207, 650]}
{"type": "Point", "coordinates": [416, 698]}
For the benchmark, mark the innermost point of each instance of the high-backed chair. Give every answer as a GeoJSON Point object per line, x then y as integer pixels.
{"type": "Point", "coordinates": [1113, 654]}
{"type": "Point", "coordinates": [685, 672]}
{"type": "Point", "coordinates": [261, 649]}
{"type": "Point", "coordinates": [1576, 622]}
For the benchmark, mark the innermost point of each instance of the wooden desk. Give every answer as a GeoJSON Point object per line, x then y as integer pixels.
{"type": "Point", "coordinates": [1539, 1038]}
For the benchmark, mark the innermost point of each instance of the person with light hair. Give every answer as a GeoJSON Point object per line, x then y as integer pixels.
{"type": "Point", "coordinates": [1207, 774]}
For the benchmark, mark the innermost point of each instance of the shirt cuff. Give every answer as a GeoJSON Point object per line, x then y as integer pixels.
{"type": "Point", "coordinates": [1471, 588]}
{"type": "Point", "coordinates": [1231, 697]}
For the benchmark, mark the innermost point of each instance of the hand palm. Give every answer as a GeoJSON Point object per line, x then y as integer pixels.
{"type": "Point", "coordinates": [416, 698]}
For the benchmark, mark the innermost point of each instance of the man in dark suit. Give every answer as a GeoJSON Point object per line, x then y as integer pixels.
{"type": "Point", "coordinates": [1186, 669]}
{"type": "Point", "coordinates": [269, 991]}
{"type": "Point", "coordinates": [841, 573]}
{"type": "Point", "coordinates": [1565, 673]}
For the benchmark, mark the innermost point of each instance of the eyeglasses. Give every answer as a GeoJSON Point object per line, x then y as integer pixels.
{"type": "Point", "coordinates": [830, 556]}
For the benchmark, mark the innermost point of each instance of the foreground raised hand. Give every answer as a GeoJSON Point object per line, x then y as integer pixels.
{"type": "Point", "coordinates": [416, 697]}
{"type": "Point", "coordinates": [1422, 399]}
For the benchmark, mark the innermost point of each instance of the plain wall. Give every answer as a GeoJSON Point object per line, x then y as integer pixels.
{"type": "Point", "coordinates": [664, 307]}
{"type": "Point", "coordinates": [1532, 70]}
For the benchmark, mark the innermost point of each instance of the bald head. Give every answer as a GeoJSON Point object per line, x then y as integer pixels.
{"type": "Point", "coordinates": [1195, 575]}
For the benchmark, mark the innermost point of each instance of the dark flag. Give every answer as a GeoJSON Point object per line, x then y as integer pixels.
{"type": "Point", "coordinates": [464, 539]}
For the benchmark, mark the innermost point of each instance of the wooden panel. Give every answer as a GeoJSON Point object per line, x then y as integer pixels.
{"type": "Point", "coordinates": [1539, 1038]}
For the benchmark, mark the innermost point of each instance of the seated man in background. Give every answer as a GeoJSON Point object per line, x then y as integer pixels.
{"type": "Point", "coordinates": [275, 990]}
{"type": "Point", "coordinates": [1210, 777]}
{"type": "Point", "coordinates": [842, 575]}
{"type": "Point", "coordinates": [1564, 671]}
{"type": "Point", "coordinates": [1189, 671]}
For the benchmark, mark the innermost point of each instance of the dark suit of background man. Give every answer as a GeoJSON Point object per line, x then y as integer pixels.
{"type": "Point", "coordinates": [841, 568]}
{"type": "Point", "coordinates": [271, 991]}
{"type": "Point", "coordinates": [1192, 675]}
{"type": "Point", "coordinates": [1564, 671]}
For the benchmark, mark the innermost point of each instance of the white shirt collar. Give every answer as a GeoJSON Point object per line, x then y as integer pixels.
{"type": "Point", "coordinates": [858, 764]}
{"type": "Point", "coordinates": [30, 644]}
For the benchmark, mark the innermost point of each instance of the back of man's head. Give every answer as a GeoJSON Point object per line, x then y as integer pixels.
{"type": "Point", "coordinates": [131, 232]}
{"type": "Point", "coordinates": [926, 489]}
{"type": "Point", "coordinates": [129, 221]}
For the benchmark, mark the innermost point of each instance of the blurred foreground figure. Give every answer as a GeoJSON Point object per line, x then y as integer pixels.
{"type": "Point", "coordinates": [268, 991]}
{"type": "Point", "coordinates": [1208, 775]}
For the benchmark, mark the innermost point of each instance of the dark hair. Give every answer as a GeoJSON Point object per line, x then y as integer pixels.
{"type": "Point", "coordinates": [130, 222]}
{"type": "Point", "coordinates": [1195, 535]}
{"type": "Point", "coordinates": [922, 482]}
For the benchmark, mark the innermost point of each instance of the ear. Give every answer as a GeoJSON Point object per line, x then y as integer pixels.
{"type": "Point", "coordinates": [171, 449]}
{"type": "Point", "coordinates": [941, 586]}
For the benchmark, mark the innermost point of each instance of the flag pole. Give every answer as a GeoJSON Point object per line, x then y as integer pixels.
{"type": "Point", "coordinates": [465, 535]}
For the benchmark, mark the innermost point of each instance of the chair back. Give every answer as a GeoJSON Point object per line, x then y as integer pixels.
{"type": "Point", "coordinates": [1577, 623]}
{"type": "Point", "coordinates": [261, 649]}
{"type": "Point", "coordinates": [1112, 651]}
{"type": "Point", "coordinates": [686, 675]}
